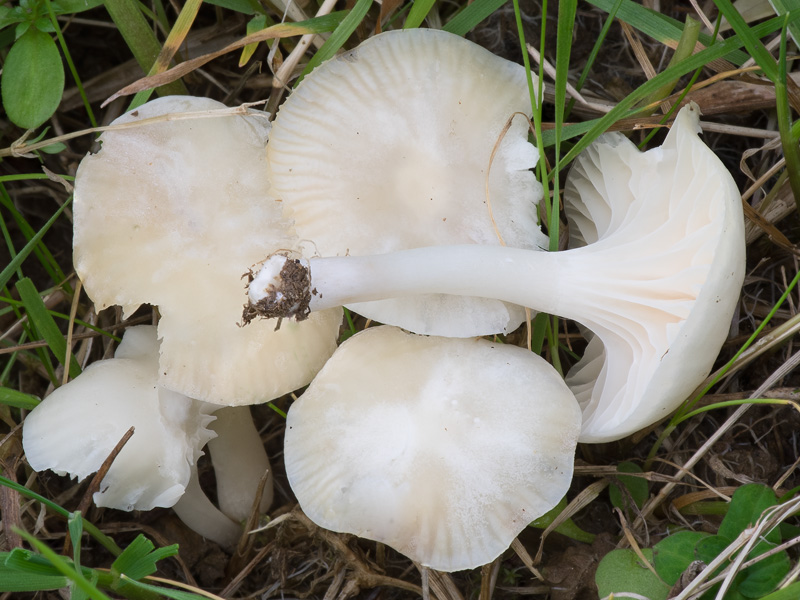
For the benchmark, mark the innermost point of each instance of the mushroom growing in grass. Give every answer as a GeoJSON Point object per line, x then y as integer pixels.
{"type": "Point", "coordinates": [657, 283]}
{"type": "Point", "coordinates": [445, 449]}
{"type": "Point", "coordinates": [165, 213]}
{"type": "Point", "coordinates": [387, 147]}
{"type": "Point", "coordinates": [76, 427]}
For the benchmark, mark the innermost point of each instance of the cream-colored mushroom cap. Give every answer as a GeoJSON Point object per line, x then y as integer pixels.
{"type": "Point", "coordinates": [672, 217]}
{"type": "Point", "coordinates": [99, 406]}
{"type": "Point", "coordinates": [443, 448]}
{"type": "Point", "coordinates": [386, 147]}
{"type": "Point", "coordinates": [170, 213]}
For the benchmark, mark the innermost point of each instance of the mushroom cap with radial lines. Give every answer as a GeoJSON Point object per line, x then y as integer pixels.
{"type": "Point", "coordinates": [171, 213]}
{"type": "Point", "coordinates": [386, 147]}
{"type": "Point", "coordinates": [680, 203]}
{"type": "Point", "coordinates": [443, 448]}
{"type": "Point", "coordinates": [75, 428]}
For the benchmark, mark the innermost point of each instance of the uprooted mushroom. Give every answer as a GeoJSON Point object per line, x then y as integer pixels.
{"type": "Point", "coordinates": [389, 146]}
{"type": "Point", "coordinates": [657, 281]}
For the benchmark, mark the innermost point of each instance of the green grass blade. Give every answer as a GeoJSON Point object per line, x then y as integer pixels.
{"type": "Point", "coordinates": [754, 46]}
{"type": "Point", "coordinates": [700, 59]}
{"type": "Point", "coordinates": [70, 7]}
{"type": "Point", "coordinates": [73, 71]}
{"type": "Point", "coordinates": [90, 528]}
{"type": "Point", "coordinates": [10, 268]}
{"type": "Point", "coordinates": [41, 318]}
{"type": "Point", "coordinates": [20, 575]}
{"type": "Point", "coordinates": [598, 43]}
{"type": "Point", "coordinates": [64, 567]}
{"type": "Point", "coordinates": [338, 37]}
{"type": "Point", "coordinates": [75, 527]}
{"type": "Point", "coordinates": [659, 27]}
{"type": "Point", "coordinates": [167, 592]}
{"type": "Point", "coordinates": [17, 399]}
{"type": "Point", "coordinates": [140, 39]}
{"type": "Point", "coordinates": [567, 9]}
{"type": "Point", "coordinates": [686, 45]}
{"type": "Point", "coordinates": [26, 176]}
{"type": "Point", "coordinates": [419, 10]}
{"type": "Point", "coordinates": [40, 250]}
{"type": "Point", "coordinates": [474, 14]}
{"type": "Point", "coordinates": [241, 6]}
{"type": "Point", "coordinates": [791, 152]}
{"type": "Point", "coordinates": [782, 7]}
{"type": "Point", "coordinates": [177, 36]}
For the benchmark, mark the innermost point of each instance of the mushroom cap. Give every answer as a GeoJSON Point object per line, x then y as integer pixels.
{"type": "Point", "coordinates": [169, 213]}
{"type": "Point", "coordinates": [666, 231]}
{"type": "Point", "coordinates": [386, 147]}
{"type": "Point", "coordinates": [443, 448]}
{"type": "Point", "coordinates": [99, 406]}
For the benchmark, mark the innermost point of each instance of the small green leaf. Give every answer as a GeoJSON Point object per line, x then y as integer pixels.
{"type": "Point", "coordinates": [45, 25]}
{"type": "Point", "coordinates": [53, 148]}
{"type": "Point", "coordinates": [33, 79]}
{"type": "Point", "coordinates": [709, 548]}
{"type": "Point", "coordinates": [567, 528]}
{"type": "Point", "coordinates": [20, 29]}
{"type": "Point", "coordinates": [760, 579]}
{"type": "Point", "coordinates": [7, 16]}
{"type": "Point", "coordinates": [635, 486]}
{"type": "Point", "coordinates": [747, 504]}
{"type": "Point", "coordinates": [673, 554]}
{"type": "Point", "coordinates": [620, 571]}
{"type": "Point", "coordinates": [791, 592]}
{"type": "Point", "coordinates": [90, 528]}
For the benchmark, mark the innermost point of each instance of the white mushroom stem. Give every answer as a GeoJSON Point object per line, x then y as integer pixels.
{"type": "Point", "coordinates": [529, 277]}
{"type": "Point", "coordinates": [586, 284]}
{"type": "Point", "coordinates": [201, 516]}
{"type": "Point", "coordinates": [240, 463]}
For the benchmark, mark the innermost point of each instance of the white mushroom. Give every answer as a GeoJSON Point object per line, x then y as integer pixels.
{"type": "Point", "coordinates": [443, 448]}
{"type": "Point", "coordinates": [386, 147]}
{"type": "Point", "coordinates": [658, 285]}
{"type": "Point", "coordinates": [75, 428]}
{"type": "Point", "coordinates": [166, 213]}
